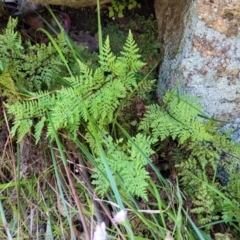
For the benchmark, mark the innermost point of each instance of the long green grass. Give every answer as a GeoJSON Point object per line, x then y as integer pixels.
{"type": "Point", "coordinates": [46, 204]}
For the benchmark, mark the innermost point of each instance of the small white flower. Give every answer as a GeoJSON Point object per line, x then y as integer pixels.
{"type": "Point", "coordinates": [100, 232]}
{"type": "Point", "coordinates": [120, 217]}
{"type": "Point", "coordinates": [169, 236]}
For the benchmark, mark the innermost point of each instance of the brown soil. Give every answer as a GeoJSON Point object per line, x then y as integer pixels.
{"type": "Point", "coordinates": [82, 19]}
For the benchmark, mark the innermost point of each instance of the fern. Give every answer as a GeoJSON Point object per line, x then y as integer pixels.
{"type": "Point", "coordinates": [10, 42]}
{"type": "Point", "coordinates": [204, 204]}
{"type": "Point", "coordinates": [8, 86]}
{"type": "Point", "coordinates": [201, 147]}
{"type": "Point", "coordinates": [32, 67]}
{"type": "Point", "coordinates": [97, 94]}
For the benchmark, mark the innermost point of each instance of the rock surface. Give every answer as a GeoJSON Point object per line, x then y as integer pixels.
{"type": "Point", "coordinates": [72, 3]}
{"type": "Point", "coordinates": [201, 52]}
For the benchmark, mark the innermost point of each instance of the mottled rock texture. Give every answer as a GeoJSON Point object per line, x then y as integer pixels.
{"type": "Point", "coordinates": [201, 52]}
{"type": "Point", "coordinates": [72, 3]}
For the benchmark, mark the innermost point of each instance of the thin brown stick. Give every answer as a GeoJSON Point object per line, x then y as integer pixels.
{"type": "Point", "coordinates": [79, 206]}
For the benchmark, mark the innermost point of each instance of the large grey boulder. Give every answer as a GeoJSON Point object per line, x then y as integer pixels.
{"type": "Point", "coordinates": [201, 52]}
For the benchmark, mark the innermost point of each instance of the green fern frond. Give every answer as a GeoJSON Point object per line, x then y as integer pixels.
{"type": "Point", "coordinates": [179, 120]}
{"type": "Point", "coordinates": [204, 205]}
{"type": "Point", "coordinates": [106, 57]}
{"type": "Point", "coordinates": [23, 113]}
{"type": "Point", "coordinates": [130, 54]}
{"type": "Point", "coordinates": [67, 101]}
{"type": "Point", "coordinates": [144, 87]}
{"type": "Point", "coordinates": [38, 129]}
{"type": "Point", "coordinates": [39, 63]}
{"type": "Point", "coordinates": [10, 41]}
{"type": "Point", "coordinates": [127, 166]}
{"type": "Point", "coordinates": [7, 84]}
{"type": "Point", "coordinates": [106, 100]}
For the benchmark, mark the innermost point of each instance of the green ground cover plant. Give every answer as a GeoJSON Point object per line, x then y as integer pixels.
{"type": "Point", "coordinates": [118, 7]}
{"type": "Point", "coordinates": [39, 64]}
{"type": "Point", "coordinates": [71, 107]}
{"type": "Point", "coordinates": [91, 93]}
{"type": "Point", "coordinates": [145, 31]}
{"type": "Point", "coordinates": [198, 155]}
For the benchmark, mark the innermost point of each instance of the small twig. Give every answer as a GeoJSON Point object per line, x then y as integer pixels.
{"type": "Point", "coordinates": [98, 205]}
{"type": "Point", "coordinates": [79, 206]}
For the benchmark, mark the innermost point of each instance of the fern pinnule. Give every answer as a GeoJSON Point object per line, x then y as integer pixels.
{"type": "Point", "coordinates": [10, 41]}
{"type": "Point", "coordinates": [134, 178]}
{"type": "Point", "coordinates": [7, 84]}
{"type": "Point", "coordinates": [39, 128]}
